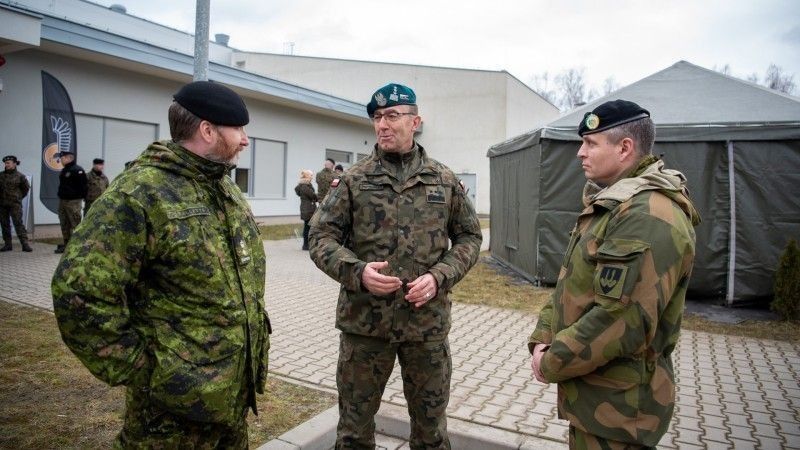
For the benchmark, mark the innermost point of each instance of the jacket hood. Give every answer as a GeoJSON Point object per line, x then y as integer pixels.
{"type": "Point", "coordinates": [654, 177]}
{"type": "Point", "coordinates": [172, 157]}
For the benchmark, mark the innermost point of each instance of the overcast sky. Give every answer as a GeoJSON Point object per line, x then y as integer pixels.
{"type": "Point", "coordinates": [628, 40]}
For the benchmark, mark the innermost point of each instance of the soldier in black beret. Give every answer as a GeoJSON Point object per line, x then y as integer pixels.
{"type": "Point", "coordinates": [97, 183]}
{"type": "Point", "coordinates": [161, 288]}
{"type": "Point", "coordinates": [72, 188]}
{"type": "Point", "coordinates": [14, 187]}
{"type": "Point", "coordinates": [620, 294]}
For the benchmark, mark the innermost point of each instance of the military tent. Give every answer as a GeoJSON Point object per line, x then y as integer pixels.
{"type": "Point", "coordinates": [738, 144]}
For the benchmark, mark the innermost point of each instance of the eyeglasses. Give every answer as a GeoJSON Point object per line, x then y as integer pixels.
{"type": "Point", "coordinates": [391, 116]}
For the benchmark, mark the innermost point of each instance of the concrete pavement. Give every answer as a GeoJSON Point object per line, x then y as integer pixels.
{"type": "Point", "coordinates": [733, 392]}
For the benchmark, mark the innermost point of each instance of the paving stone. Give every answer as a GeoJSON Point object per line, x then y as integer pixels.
{"type": "Point", "coordinates": [765, 443]}
{"type": "Point", "coordinates": [715, 434]}
{"type": "Point", "coordinates": [684, 436]}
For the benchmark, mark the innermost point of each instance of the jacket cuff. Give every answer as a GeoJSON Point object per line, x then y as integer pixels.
{"type": "Point", "coordinates": [440, 276]}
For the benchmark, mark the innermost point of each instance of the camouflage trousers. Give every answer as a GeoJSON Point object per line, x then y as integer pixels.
{"type": "Point", "coordinates": [580, 440]}
{"type": "Point", "coordinates": [69, 216]}
{"type": "Point", "coordinates": [365, 364]}
{"type": "Point", "coordinates": [146, 426]}
{"type": "Point", "coordinates": [9, 214]}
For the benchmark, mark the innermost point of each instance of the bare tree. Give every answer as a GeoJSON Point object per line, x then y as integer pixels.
{"type": "Point", "coordinates": [542, 85]}
{"type": "Point", "coordinates": [753, 78]}
{"type": "Point", "coordinates": [725, 70]}
{"type": "Point", "coordinates": [572, 88]}
{"type": "Point", "coordinates": [610, 85]}
{"type": "Point", "coordinates": [777, 79]}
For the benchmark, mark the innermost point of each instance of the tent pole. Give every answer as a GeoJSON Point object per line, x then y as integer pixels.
{"type": "Point", "coordinates": [732, 236]}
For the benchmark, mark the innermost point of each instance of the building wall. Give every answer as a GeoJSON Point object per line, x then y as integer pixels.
{"type": "Point", "coordinates": [136, 105]}
{"type": "Point", "coordinates": [464, 111]}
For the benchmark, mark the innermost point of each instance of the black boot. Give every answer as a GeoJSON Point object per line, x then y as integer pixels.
{"type": "Point", "coordinates": [26, 247]}
{"type": "Point", "coordinates": [6, 248]}
{"type": "Point", "coordinates": [59, 249]}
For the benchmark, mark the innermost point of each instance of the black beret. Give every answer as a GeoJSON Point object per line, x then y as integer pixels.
{"type": "Point", "coordinates": [98, 161]}
{"type": "Point", "coordinates": [65, 152]}
{"type": "Point", "coordinates": [609, 115]}
{"type": "Point", "coordinates": [392, 94]}
{"type": "Point", "coordinates": [213, 102]}
{"type": "Point", "coordinates": [11, 158]}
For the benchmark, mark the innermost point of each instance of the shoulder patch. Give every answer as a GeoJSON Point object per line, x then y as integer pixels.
{"type": "Point", "coordinates": [609, 279]}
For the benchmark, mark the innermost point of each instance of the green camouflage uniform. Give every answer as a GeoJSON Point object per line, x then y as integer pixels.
{"type": "Point", "coordinates": [162, 291]}
{"type": "Point", "coordinates": [403, 210]}
{"type": "Point", "coordinates": [13, 188]}
{"type": "Point", "coordinates": [96, 182]}
{"type": "Point", "coordinates": [615, 315]}
{"type": "Point", "coordinates": [324, 179]}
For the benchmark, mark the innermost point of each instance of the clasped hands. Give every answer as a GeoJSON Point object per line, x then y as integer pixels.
{"type": "Point", "coordinates": [420, 291]}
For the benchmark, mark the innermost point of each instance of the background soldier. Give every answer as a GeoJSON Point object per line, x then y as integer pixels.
{"type": "Point", "coordinates": [72, 188]}
{"type": "Point", "coordinates": [384, 232]}
{"type": "Point", "coordinates": [324, 178]}
{"type": "Point", "coordinates": [14, 187]}
{"type": "Point", "coordinates": [609, 331]}
{"type": "Point", "coordinates": [97, 182]}
{"type": "Point", "coordinates": [162, 289]}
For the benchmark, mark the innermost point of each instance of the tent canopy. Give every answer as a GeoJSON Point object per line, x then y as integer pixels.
{"type": "Point", "coordinates": [738, 144]}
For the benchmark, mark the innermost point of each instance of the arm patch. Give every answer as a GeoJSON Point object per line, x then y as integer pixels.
{"type": "Point", "coordinates": [609, 280]}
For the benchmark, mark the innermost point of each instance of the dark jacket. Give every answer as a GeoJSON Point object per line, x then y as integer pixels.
{"type": "Point", "coordinates": [72, 182]}
{"type": "Point", "coordinates": [308, 200]}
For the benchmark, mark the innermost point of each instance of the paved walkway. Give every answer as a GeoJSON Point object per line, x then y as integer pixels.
{"type": "Point", "coordinates": [732, 392]}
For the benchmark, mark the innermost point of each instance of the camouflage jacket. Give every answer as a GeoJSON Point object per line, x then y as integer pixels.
{"type": "Point", "coordinates": [97, 182]}
{"type": "Point", "coordinates": [405, 211]}
{"type": "Point", "coordinates": [162, 289]}
{"type": "Point", "coordinates": [324, 179]}
{"type": "Point", "coordinates": [308, 199]}
{"type": "Point", "coordinates": [13, 187]}
{"type": "Point", "coordinates": [615, 315]}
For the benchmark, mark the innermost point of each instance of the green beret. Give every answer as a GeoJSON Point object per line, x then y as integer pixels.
{"type": "Point", "coordinates": [98, 161]}
{"type": "Point", "coordinates": [11, 158]}
{"type": "Point", "coordinates": [392, 94]}
{"type": "Point", "coordinates": [609, 115]}
{"type": "Point", "coordinates": [213, 102]}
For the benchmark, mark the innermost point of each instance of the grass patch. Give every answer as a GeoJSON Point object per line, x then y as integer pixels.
{"type": "Point", "coordinates": [486, 284]}
{"type": "Point", "coordinates": [761, 329]}
{"type": "Point", "coordinates": [49, 400]}
{"type": "Point", "coordinates": [279, 232]}
{"type": "Point", "coordinates": [484, 223]}
{"type": "Point", "coordinates": [492, 285]}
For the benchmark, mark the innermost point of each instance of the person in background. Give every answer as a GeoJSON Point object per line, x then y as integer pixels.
{"type": "Point", "coordinates": [308, 201]}
{"type": "Point", "coordinates": [72, 188]}
{"type": "Point", "coordinates": [325, 178]}
{"type": "Point", "coordinates": [609, 331]}
{"type": "Point", "coordinates": [14, 187]}
{"type": "Point", "coordinates": [97, 182]}
{"type": "Point", "coordinates": [339, 170]}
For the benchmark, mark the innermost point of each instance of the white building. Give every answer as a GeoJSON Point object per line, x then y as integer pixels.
{"type": "Point", "coordinates": [121, 71]}
{"type": "Point", "coordinates": [464, 111]}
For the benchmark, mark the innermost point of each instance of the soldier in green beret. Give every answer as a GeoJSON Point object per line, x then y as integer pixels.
{"type": "Point", "coordinates": [384, 232]}
{"type": "Point", "coordinates": [608, 333]}
{"type": "Point", "coordinates": [162, 289]}
{"type": "Point", "coordinates": [14, 187]}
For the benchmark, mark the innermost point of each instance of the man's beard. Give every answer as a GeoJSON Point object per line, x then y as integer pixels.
{"type": "Point", "coordinates": [222, 154]}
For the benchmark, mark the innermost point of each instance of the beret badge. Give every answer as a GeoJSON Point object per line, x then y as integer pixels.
{"type": "Point", "coordinates": [380, 99]}
{"type": "Point", "coordinates": [592, 121]}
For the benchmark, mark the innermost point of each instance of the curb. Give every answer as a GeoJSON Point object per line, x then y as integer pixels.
{"type": "Point", "coordinates": [319, 433]}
